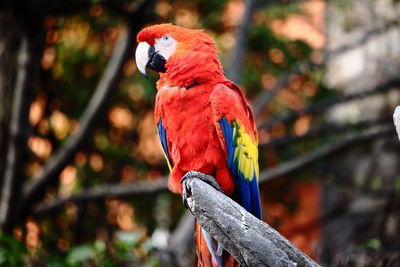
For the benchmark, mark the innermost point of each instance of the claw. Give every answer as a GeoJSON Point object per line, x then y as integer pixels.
{"type": "Point", "coordinates": [187, 193]}
{"type": "Point", "coordinates": [204, 177]}
{"type": "Point", "coordinates": [185, 203]}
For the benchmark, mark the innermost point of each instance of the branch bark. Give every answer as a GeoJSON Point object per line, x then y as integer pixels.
{"type": "Point", "coordinates": [250, 241]}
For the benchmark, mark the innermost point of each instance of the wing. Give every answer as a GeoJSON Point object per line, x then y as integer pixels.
{"type": "Point", "coordinates": [238, 136]}
{"type": "Point", "coordinates": [162, 135]}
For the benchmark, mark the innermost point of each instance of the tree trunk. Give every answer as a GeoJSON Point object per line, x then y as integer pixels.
{"type": "Point", "coordinates": [9, 43]}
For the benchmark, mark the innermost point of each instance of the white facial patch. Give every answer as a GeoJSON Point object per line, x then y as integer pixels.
{"type": "Point", "coordinates": [165, 45]}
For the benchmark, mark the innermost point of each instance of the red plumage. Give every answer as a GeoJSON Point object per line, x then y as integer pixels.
{"type": "Point", "coordinates": [192, 96]}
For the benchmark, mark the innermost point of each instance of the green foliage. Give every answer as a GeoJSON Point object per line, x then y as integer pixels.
{"type": "Point", "coordinates": [79, 254]}
{"type": "Point", "coordinates": [119, 253]}
{"type": "Point", "coordinates": [281, 10]}
{"type": "Point", "coordinates": [211, 13]}
{"type": "Point", "coordinates": [12, 252]}
{"type": "Point", "coordinates": [397, 183]}
{"type": "Point", "coordinates": [372, 243]}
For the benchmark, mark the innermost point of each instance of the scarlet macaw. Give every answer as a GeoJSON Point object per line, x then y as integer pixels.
{"type": "Point", "coordinates": [204, 121]}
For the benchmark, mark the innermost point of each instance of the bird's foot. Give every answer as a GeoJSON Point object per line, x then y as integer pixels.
{"type": "Point", "coordinates": [186, 190]}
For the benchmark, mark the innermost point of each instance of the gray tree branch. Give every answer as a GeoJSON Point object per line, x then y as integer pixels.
{"type": "Point", "coordinates": [327, 129]}
{"type": "Point", "coordinates": [9, 33]}
{"type": "Point", "coordinates": [238, 51]}
{"type": "Point", "coordinates": [250, 241]}
{"type": "Point", "coordinates": [370, 34]}
{"type": "Point", "coordinates": [18, 132]}
{"type": "Point", "coordinates": [181, 240]}
{"type": "Point", "coordinates": [264, 97]}
{"type": "Point", "coordinates": [324, 151]}
{"type": "Point", "coordinates": [324, 105]}
{"type": "Point", "coordinates": [123, 190]}
{"type": "Point", "coordinates": [107, 84]}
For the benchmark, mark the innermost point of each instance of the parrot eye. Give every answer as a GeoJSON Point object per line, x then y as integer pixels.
{"type": "Point", "coordinates": [165, 45]}
{"type": "Point", "coordinates": [165, 40]}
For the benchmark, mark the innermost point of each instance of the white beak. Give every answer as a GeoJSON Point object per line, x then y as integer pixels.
{"type": "Point", "coordinates": [142, 56]}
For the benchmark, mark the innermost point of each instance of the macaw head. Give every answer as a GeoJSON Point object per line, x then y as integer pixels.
{"type": "Point", "coordinates": [184, 56]}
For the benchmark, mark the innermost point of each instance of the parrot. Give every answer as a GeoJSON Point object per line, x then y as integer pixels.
{"type": "Point", "coordinates": [204, 122]}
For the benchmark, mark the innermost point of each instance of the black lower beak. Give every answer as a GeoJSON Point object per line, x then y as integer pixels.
{"type": "Point", "coordinates": [156, 61]}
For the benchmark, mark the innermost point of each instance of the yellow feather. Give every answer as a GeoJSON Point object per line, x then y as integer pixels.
{"type": "Point", "coordinates": [251, 169]}
{"type": "Point", "coordinates": [244, 170]}
{"type": "Point", "coordinates": [246, 153]}
{"type": "Point", "coordinates": [257, 170]}
{"type": "Point", "coordinates": [241, 159]}
{"type": "Point", "coordinates": [168, 163]}
{"type": "Point", "coordinates": [236, 156]}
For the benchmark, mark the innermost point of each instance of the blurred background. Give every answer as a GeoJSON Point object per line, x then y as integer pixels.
{"type": "Point", "coordinates": [82, 172]}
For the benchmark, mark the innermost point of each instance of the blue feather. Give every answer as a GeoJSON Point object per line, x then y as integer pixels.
{"type": "Point", "coordinates": [247, 189]}
{"type": "Point", "coordinates": [244, 190]}
{"type": "Point", "coordinates": [162, 135]}
{"type": "Point", "coordinates": [255, 198]}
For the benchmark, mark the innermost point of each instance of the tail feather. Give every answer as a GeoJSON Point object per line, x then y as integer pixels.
{"type": "Point", "coordinates": [214, 248]}
{"type": "Point", "coordinates": [209, 253]}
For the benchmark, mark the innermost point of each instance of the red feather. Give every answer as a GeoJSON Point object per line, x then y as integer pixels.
{"type": "Point", "coordinates": [188, 93]}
